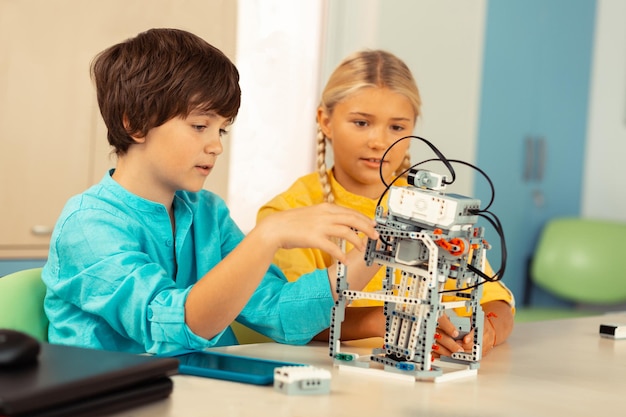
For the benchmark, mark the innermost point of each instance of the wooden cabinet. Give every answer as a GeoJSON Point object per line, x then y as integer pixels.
{"type": "Point", "coordinates": [47, 123]}
{"type": "Point", "coordinates": [52, 140]}
{"type": "Point", "coordinates": [533, 121]}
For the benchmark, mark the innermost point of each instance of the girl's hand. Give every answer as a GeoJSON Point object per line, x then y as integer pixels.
{"type": "Point", "coordinates": [448, 340]}
{"type": "Point", "coordinates": [446, 336]}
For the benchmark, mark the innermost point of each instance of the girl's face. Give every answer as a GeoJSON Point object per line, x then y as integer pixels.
{"type": "Point", "coordinates": [360, 129]}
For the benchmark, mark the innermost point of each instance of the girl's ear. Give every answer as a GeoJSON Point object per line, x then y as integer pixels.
{"type": "Point", "coordinates": [323, 120]}
{"type": "Point", "coordinates": [136, 137]}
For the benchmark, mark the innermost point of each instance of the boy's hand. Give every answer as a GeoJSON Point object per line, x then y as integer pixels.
{"type": "Point", "coordinates": [318, 226]}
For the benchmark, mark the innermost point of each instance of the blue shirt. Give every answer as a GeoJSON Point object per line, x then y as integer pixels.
{"type": "Point", "coordinates": [118, 278]}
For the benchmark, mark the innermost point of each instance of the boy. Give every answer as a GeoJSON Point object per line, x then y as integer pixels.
{"type": "Point", "coordinates": [147, 261]}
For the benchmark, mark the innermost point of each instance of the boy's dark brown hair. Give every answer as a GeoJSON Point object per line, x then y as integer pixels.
{"type": "Point", "coordinates": [160, 74]}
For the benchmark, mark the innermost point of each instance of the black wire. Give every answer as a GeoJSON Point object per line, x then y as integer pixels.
{"type": "Point", "coordinates": [484, 213]}
{"type": "Point", "coordinates": [495, 222]}
{"type": "Point", "coordinates": [437, 152]}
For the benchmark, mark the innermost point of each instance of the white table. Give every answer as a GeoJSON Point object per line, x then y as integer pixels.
{"type": "Point", "coordinates": [551, 368]}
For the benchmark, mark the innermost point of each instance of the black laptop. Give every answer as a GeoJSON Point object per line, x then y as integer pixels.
{"type": "Point", "coordinates": [72, 381]}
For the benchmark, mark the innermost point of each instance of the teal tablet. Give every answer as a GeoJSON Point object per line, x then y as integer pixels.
{"type": "Point", "coordinates": [230, 367]}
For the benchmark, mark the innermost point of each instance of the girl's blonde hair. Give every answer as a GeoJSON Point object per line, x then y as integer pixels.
{"type": "Point", "coordinates": [367, 68]}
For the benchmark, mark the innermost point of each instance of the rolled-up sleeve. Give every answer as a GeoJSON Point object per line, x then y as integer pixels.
{"type": "Point", "coordinates": [167, 325]}
{"type": "Point", "coordinates": [290, 312]}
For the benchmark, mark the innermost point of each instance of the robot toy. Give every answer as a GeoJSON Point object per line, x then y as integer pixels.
{"type": "Point", "coordinates": [426, 238]}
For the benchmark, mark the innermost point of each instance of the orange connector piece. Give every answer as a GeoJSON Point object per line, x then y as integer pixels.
{"type": "Point", "coordinates": [460, 243]}
{"type": "Point", "coordinates": [444, 244]}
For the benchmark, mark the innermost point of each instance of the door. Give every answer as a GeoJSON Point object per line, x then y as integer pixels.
{"type": "Point", "coordinates": [533, 119]}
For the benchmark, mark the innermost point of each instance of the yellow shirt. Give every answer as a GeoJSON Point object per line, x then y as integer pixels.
{"type": "Point", "coordinates": [307, 191]}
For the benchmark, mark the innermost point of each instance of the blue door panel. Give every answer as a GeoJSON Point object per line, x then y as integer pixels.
{"type": "Point", "coordinates": [535, 88]}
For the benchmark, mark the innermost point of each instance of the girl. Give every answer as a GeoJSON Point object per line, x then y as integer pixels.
{"type": "Point", "coordinates": [370, 101]}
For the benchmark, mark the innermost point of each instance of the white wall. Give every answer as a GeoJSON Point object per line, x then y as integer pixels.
{"type": "Point", "coordinates": [604, 194]}
{"type": "Point", "coordinates": [272, 141]}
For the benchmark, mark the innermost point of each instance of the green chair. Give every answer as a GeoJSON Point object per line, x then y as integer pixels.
{"type": "Point", "coordinates": [579, 261]}
{"type": "Point", "coordinates": [21, 303]}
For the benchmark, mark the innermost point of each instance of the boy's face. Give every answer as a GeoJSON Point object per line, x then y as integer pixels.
{"type": "Point", "coordinates": [178, 155]}
{"type": "Point", "coordinates": [360, 129]}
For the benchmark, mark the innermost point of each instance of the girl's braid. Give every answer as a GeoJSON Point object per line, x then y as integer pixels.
{"type": "Point", "coordinates": [321, 167]}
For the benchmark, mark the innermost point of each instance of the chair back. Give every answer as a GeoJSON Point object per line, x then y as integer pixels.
{"type": "Point", "coordinates": [579, 260]}
{"type": "Point", "coordinates": [21, 303]}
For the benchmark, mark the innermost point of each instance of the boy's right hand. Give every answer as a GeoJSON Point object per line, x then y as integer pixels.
{"type": "Point", "coordinates": [319, 227]}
